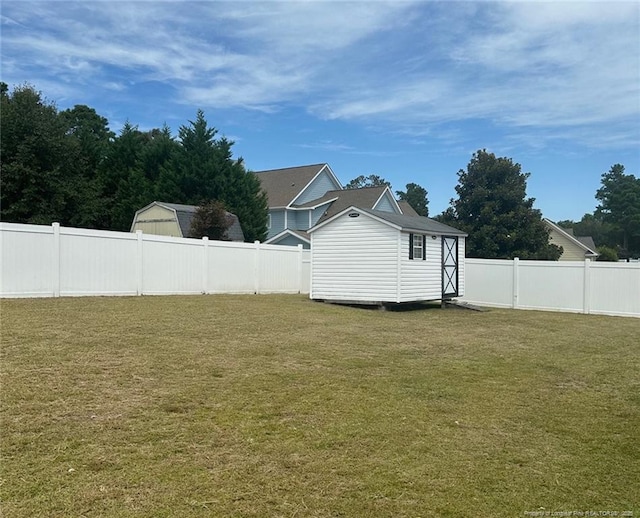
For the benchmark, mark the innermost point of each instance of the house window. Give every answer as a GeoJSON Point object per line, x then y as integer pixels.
{"type": "Point", "coordinates": [269, 221]}
{"type": "Point", "coordinates": [417, 246]}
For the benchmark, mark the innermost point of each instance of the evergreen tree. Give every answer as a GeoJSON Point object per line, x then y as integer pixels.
{"type": "Point", "coordinates": [619, 206]}
{"type": "Point", "coordinates": [416, 196]}
{"type": "Point", "coordinates": [124, 186]}
{"type": "Point", "coordinates": [203, 168]}
{"type": "Point", "coordinates": [493, 209]}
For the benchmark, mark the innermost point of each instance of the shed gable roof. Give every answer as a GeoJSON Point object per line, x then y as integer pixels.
{"type": "Point", "coordinates": [283, 186]}
{"type": "Point", "coordinates": [399, 221]}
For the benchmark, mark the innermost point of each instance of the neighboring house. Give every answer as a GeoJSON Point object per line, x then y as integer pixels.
{"type": "Point", "coordinates": [371, 257]}
{"type": "Point", "coordinates": [574, 248]}
{"type": "Point", "coordinates": [300, 197]}
{"type": "Point", "coordinates": [173, 219]}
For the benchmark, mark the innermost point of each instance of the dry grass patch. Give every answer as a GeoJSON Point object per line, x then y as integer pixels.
{"type": "Point", "coordinates": [278, 406]}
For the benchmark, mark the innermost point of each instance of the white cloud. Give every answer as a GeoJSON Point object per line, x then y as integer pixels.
{"type": "Point", "coordinates": [404, 66]}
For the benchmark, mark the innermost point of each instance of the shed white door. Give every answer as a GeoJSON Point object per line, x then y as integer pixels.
{"type": "Point", "coordinates": [449, 266]}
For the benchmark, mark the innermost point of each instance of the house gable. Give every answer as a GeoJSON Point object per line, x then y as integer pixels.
{"type": "Point", "coordinates": [284, 186]}
{"type": "Point", "coordinates": [387, 203]}
{"type": "Point", "coordinates": [572, 248]}
{"type": "Point", "coordinates": [323, 182]}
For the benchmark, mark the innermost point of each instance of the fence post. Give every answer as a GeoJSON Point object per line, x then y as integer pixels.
{"type": "Point", "coordinates": [56, 259]}
{"type": "Point", "coordinates": [300, 256]}
{"type": "Point", "coordinates": [139, 263]}
{"type": "Point", "coordinates": [205, 264]}
{"type": "Point", "coordinates": [516, 282]}
{"type": "Point", "coordinates": [586, 288]}
{"type": "Point", "coordinates": [256, 268]}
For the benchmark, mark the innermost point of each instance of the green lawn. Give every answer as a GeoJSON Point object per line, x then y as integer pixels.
{"type": "Point", "coordinates": [278, 406]}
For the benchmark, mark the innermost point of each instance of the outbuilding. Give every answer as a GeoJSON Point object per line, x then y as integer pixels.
{"type": "Point", "coordinates": [174, 219]}
{"type": "Point", "coordinates": [366, 256]}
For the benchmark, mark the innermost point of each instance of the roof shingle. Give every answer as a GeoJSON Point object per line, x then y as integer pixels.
{"type": "Point", "coordinates": [283, 185]}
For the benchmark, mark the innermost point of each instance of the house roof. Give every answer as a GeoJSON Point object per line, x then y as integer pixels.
{"type": "Point", "coordinates": [284, 185]}
{"type": "Point", "coordinates": [585, 242]}
{"type": "Point", "coordinates": [365, 197]}
{"type": "Point", "coordinates": [184, 214]}
{"type": "Point", "coordinates": [400, 221]}
{"type": "Point", "coordinates": [406, 208]}
{"type": "Point", "coordinates": [304, 236]}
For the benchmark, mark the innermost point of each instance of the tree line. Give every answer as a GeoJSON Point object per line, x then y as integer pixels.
{"type": "Point", "coordinates": [493, 208]}
{"type": "Point", "coordinates": [67, 166]}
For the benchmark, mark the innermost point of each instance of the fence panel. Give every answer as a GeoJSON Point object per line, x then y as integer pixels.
{"type": "Point", "coordinates": [171, 266]}
{"type": "Point", "coordinates": [97, 262]}
{"type": "Point", "coordinates": [231, 268]}
{"type": "Point", "coordinates": [550, 286]}
{"type": "Point", "coordinates": [489, 281]}
{"type": "Point", "coordinates": [53, 261]}
{"type": "Point", "coordinates": [615, 288]}
{"type": "Point", "coordinates": [576, 286]}
{"type": "Point", "coordinates": [278, 269]}
{"type": "Point", "coordinates": [26, 260]}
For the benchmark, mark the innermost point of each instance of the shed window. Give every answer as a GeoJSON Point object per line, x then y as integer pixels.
{"type": "Point", "coordinates": [417, 246]}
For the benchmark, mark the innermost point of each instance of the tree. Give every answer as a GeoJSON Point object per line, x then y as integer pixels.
{"type": "Point", "coordinates": [89, 139]}
{"type": "Point", "coordinates": [493, 209]}
{"type": "Point", "coordinates": [619, 205]}
{"type": "Point", "coordinates": [124, 186]}
{"type": "Point", "coordinates": [416, 196]}
{"type": "Point", "coordinates": [607, 254]}
{"type": "Point", "coordinates": [373, 180]}
{"type": "Point", "coordinates": [41, 182]}
{"type": "Point", "coordinates": [603, 233]}
{"type": "Point", "coordinates": [203, 168]}
{"type": "Point", "coordinates": [210, 220]}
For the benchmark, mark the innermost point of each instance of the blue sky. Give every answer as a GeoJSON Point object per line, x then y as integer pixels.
{"type": "Point", "coordinates": [406, 90]}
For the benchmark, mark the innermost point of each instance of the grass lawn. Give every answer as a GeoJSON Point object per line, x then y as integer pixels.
{"type": "Point", "coordinates": [278, 406]}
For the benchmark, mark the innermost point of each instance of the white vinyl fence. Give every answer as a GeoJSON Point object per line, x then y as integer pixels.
{"type": "Point", "coordinates": [42, 261]}
{"type": "Point", "coordinates": [576, 286]}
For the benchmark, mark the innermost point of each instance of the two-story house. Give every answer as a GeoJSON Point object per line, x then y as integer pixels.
{"type": "Point", "coordinates": [300, 197]}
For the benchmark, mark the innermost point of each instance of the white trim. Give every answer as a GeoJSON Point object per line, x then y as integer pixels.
{"type": "Point", "coordinates": [353, 208]}
{"type": "Point", "coordinates": [158, 204]}
{"type": "Point", "coordinates": [313, 207]}
{"type": "Point", "coordinates": [332, 175]}
{"type": "Point", "coordinates": [284, 233]}
{"type": "Point", "coordinates": [588, 251]}
{"type": "Point", "coordinates": [390, 197]}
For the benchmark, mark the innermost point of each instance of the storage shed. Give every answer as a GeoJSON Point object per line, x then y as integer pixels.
{"type": "Point", "coordinates": [371, 257]}
{"type": "Point", "coordinates": [174, 219]}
